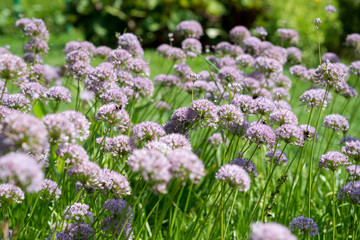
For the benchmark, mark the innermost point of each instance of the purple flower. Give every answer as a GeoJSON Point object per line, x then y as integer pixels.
{"type": "Point", "coordinates": [350, 192]}
{"type": "Point", "coordinates": [268, 66]}
{"type": "Point", "coordinates": [186, 165]}
{"type": "Point", "coordinates": [143, 86]}
{"type": "Point", "coordinates": [298, 71]}
{"type": "Point", "coordinates": [305, 226]}
{"type": "Point", "coordinates": [120, 58]}
{"type": "Point", "coordinates": [162, 49]}
{"type": "Point", "coordinates": [261, 31]}
{"type": "Point", "coordinates": [347, 139]}
{"type": "Point", "coordinates": [34, 90]}
{"type": "Point", "coordinates": [283, 116]}
{"type": "Point", "coordinates": [82, 125]}
{"type": "Point", "coordinates": [223, 48]}
{"type": "Point", "coordinates": [192, 47]}
{"type": "Point", "coordinates": [331, 57]}
{"type": "Point", "coordinates": [354, 172]}
{"type": "Point", "coordinates": [261, 134]}
{"type": "Point", "coordinates": [291, 134]}
{"type": "Point", "coordinates": [352, 149]}
{"type": "Point", "coordinates": [309, 132]}
{"type": "Point", "coordinates": [167, 80]}
{"type": "Point", "coordinates": [72, 153]}
{"type": "Point", "coordinates": [353, 40]}
{"type": "Point", "coordinates": [116, 183]}
{"type": "Point", "coordinates": [336, 122]}
{"type": "Point", "coordinates": [97, 77]}
{"type": "Point", "coordinates": [115, 116]}
{"type": "Point", "coordinates": [85, 46]}
{"type": "Point", "coordinates": [78, 212]}
{"type": "Point", "coordinates": [189, 29]}
{"type": "Point", "coordinates": [230, 74]}
{"type": "Point", "coordinates": [288, 35]}
{"type": "Point", "coordinates": [158, 146]}
{"type": "Point", "coordinates": [88, 173]}
{"type": "Point", "coordinates": [313, 98]}
{"type": "Point", "coordinates": [229, 113]}
{"type": "Point", "coordinates": [279, 157]}
{"type": "Point", "coordinates": [331, 75]}
{"type": "Point", "coordinates": [118, 146]}
{"type": "Point", "coordinates": [245, 61]}
{"type": "Point", "coordinates": [102, 51]}
{"type": "Point", "coordinates": [294, 55]}
{"type": "Point", "coordinates": [246, 164]}
{"type": "Point", "coordinates": [176, 141]}
{"type": "Point", "coordinates": [17, 101]}
{"type": "Point", "coordinates": [163, 106]}
{"type": "Point", "coordinates": [330, 9]}
{"type": "Point", "coordinates": [252, 46]}
{"type": "Point", "coordinates": [333, 160]}
{"type": "Point", "coordinates": [280, 93]}
{"type": "Point", "coordinates": [147, 131]}
{"type": "Point", "coordinates": [264, 105]}
{"type": "Point", "coordinates": [10, 194]}
{"type": "Point", "coordinates": [216, 139]}
{"type": "Point", "coordinates": [235, 176]}
{"type": "Point", "coordinates": [22, 170]}
{"type": "Point", "coordinates": [238, 34]}
{"type": "Point", "coordinates": [59, 94]}
{"type": "Point", "coordinates": [176, 55]}
{"type": "Point", "coordinates": [355, 68]}
{"type": "Point", "coordinates": [34, 28]}
{"type": "Point", "coordinates": [246, 103]}
{"type": "Point", "coordinates": [49, 189]}
{"type": "Point", "coordinates": [270, 231]}
{"type": "Point", "coordinates": [277, 53]}
{"type": "Point", "coordinates": [206, 112]}
{"type": "Point", "coordinates": [112, 93]}
{"type": "Point", "coordinates": [130, 43]}
{"type": "Point", "coordinates": [59, 128]}
{"type": "Point", "coordinates": [153, 166]}
{"type": "Point", "coordinates": [139, 66]}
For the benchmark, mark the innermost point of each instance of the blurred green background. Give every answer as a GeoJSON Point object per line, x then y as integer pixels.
{"type": "Point", "coordinates": [99, 20]}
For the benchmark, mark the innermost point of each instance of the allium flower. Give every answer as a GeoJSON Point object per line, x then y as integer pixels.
{"type": "Point", "coordinates": [304, 226]}
{"type": "Point", "coordinates": [270, 231]}
{"type": "Point", "coordinates": [121, 219]}
{"type": "Point", "coordinates": [153, 166]}
{"type": "Point", "coordinates": [317, 22]}
{"type": "Point", "coordinates": [283, 116]}
{"type": "Point", "coordinates": [130, 43]}
{"type": "Point", "coordinates": [288, 35]}
{"type": "Point", "coordinates": [82, 125]}
{"type": "Point", "coordinates": [279, 157]}
{"type": "Point", "coordinates": [163, 106]}
{"type": "Point", "coordinates": [354, 172]}
{"type": "Point", "coordinates": [331, 57]}
{"type": "Point", "coordinates": [77, 55]}
{"type": "Point", "coordinates": [347, 139]}
{"type": "Point", "coordinates": [229, 113]}
{"type": "Point", "coordinates": [76, 231]}
{"type": "Point", "coordinates": [336, 122]}
{"type": "Point", "coordinates": [333, 160]}
{"type": "Point", "coordinates": [72, 153]}
{"type": "Point", "coordinates": [280, 93]}
{"type": "Point", "coordinates": [17, 101]}
{"type": "Point", "coordinates": [277, 53]}
{"type": "Point", "coordinates": [88, 173]}
{"type": "Point", "coordinates": [147, 131]}
{"type": "Point", "coordinates": [309, 132]}
{"type": "Point", "coordinates": [238, 34]}
{"type": "Point", "coordinates": [192, 47]}
{"type": "Point", "coordinates": [112, 93]}
{"type": "Point", "coordinates": [97, 77]}
{"type": "Point", "coordinates": [162, 49]}
{"type": "Point", "coordinates": [78, 212]}
{"type": "Point", "coordinates": [261, 31]}
{"type": "Point", "coordinates": [34, 28]}
{"type": "Point", "coordinates": [143, 86]}
{"type": "Point", "coordinates": [158, 146]}
{"type": "Point", "coordinates": [294, 55]}
{"type": "Point", "coordinates": [186, 165]}
{"type": "Point", "coordinates": [118, 146]}
{"type": "Point", "coordinates": [264, 105]}
{"type": "Point", "coordinates": [330, 9]}
{"type": "Point", "coordinates": [139, 66]}
{"type": "Point", "coordinates": [185, 116]}
{"type": "Point", "coordinates": [245, 102]}
{"type": "Point", "coordinates": [268, 66]}
{"type": "Point", "coordinates": [206, 112]}
{"type": "Point", "coordinates": [49, 189]}
{"type": "Point", "coordinates": [24, 132]}
{"type": "Point", "coordinates": [59, 128]}
{"type": "Point", "coordinates": [176, 55]}
{"type": "Point", "coordinates": [261, 134]}
{"type": "Point", "coordinates": [190, 29]}
{"type": "Point", "coordinates": [235, 176]}
{"type": "Point", "coordinates": [216, 139]}
{"type": "Point", "coordinates": [352, 149]}
{"type": "Point", "coordinates": [355, 68]}
{"type": "Point", "coordinates": [167, 80]}
{"type": "Point", "coordinates": [5, 111]}
{"type": "Point", "coordinates": [102, 51]}
{"type": "Point", "coordinates": [353, 40]}
{"type": "Point", "coordinates": [183, 70]}
{"type": "Point", "coordinates": [85, 46]}
{"type": "Point", "coordinates": [33, 90]}
{"type": "Point", "coordinates": [230, 74]}
{"type": "Point", "coordinates": [36, 45]}
{"type": "Point", "coordinates": [246, 164]}
{"type": "Point", "coordinates": [291, 134]}
{"type": "Point", "coordinates": [331, 75]}
{"type": "Point", "coordinates": [223, 48]}
{"type": "Point", "coordinates": [59, 94]}
{"type": "Point", "coordinates": [350, 192]}
{"type": "Point", "coordinates": [22, 170]}
{"type": "Point", "coordinates": [252, 46]}
{"type": "Point", "coordinates": [313, 98]}
{"type": "Point", "coordinates": [245, 61]}
{"type": "Point", "coordinates": [112, 114]}
{"type": "Point", "coordinates": [120, 58]}
{"type": "Point", "coordinates": [116, 183]}
{"type": "Point", "coordinates": [347, 91]}
{"type": "Point", "coordinates": [298, 71]}
{"type": "Point", "coordinates": [31, 58]}
{"type": "Point", "coordinates": [10, 194]}
{"type": "Point", "coordinates": [227, 62]}
{"type": "Point", "coordinates": [175, 141]}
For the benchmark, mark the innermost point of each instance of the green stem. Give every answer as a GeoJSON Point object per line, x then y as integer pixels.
{"type": "Point", "coordinates": [333, 206]}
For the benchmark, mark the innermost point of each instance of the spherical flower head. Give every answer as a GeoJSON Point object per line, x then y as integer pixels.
{"type": "Point", "coordinates": [346, 139]}
{"type": "Point", "coordinates": [268, 66]}
{"type": "Point", "coordinates": [317, 22]}
{"type": "Point", "coordinates": [88, 173]}
{"type": "Point", "coordinates": [291, 134]}
{"type": "Point", "coordinates": [235, 176]}
{"type": "Point", "coordinates": [216, 139]}
{"type": "Point", "coordinates": [76, 56]}
{"type": "Point", "coordinates": [167, 80]}
{"type": "Point", "coordinates": [176, 141]}
{"type": "Point", "coordinates": [147, 131]}
{"type": "Point", "coordinates": [355, 68]}
{"type": "Point", "coordinates": [245, 61]}
{"type": "Point", "coordinates": [309, 132]}
{"type": "Point", "coordinates": [153, 166]}
{"type": "Point", "coordinates": [246, 164]}
{"type": "Point", "coordinates": [238, 34]}
{"type": "Point", "coordinates": [261, 31]}
{"type": "Point", "coordinates": [298, 71]}
{"type": "Point", "coordinates": [163, 106]}
{"type": "Point", "coordinates": [176, 55]}
{"type": "Point", "coordinates": [315, 98]}
{"type": "Point", "coordinates": [278, 157]}
{"type": "Point", "coordinates": [59, 128]}
{"type": "Point", "coordinates": [330, 75]}
{"type": "Point", "coordinates": [336, 122]}
{"type": "Point", "coordinates": [288, 35]}
{"type": "Point", "coordinates": [22, 170]}
{"type": "Point", "coordinates": [59, 94]}
{"type": "Point", "coordinates": [352, 150]}
{"type": "Point", "coordinates": [253, 46]}
{"type": "Point", "coordinates": [261, 134]}
{"type": "Point", "coordinates": [354, 172]}
{"type": "Point", "coordinates": [85, 46]}
{"type": "Point", "coordinates": [223, 48]}
{"type": "Point", "coordinates": [186, 165]}
{"type": "Point", "coordinates": [112, 93]}
{"type": "Point", "coordinates": [143, 86]}
{"type": "Point", "coordinates": [121, 145]}
{"type": "Point", "coordinates": [49, 190]}
{"type": "Point", "coordinates": [230, 74]}
{"type": "Point", "coordinates": [5, 111]}
{"type": "Point", "coordinates": [82, 125]}
{"type": "Point", "coordinates": [189, 29]}
{"type": "Point", "coordinates": [331, 57]}
{"type": "Point", "coordinates": [140, 67]}
{"type": "Point", "coordinates": [305, 226]}
{"type": "Point", "coordinates": [34, 90]}
{"type": "Point", "coordinates": [116, 183]}
{"type": "Point", "coordinates": [72, 153]}
{"type": "Point", "coordinates": [246, 103]}
{"type": "Point", "coordinates": [97, 77]}
{"type": "Point", "coordinates": [162, 49]}
{"type": "Point", "coordinates": [34, 28]}
{"type": "Point", "coordinates": [280, 93]}
{"type": "Point", "coordinates": [206, 112]}
{"type": "Point", "coordinates": [333, 160]}
{"type": "Point", "coordinates": [130, 43]}
{"type": "Point", "coordinates": [38, 46]}
{"type": "Point", "coordinates": [112, 114]}
{"type": "Point", "coordinates": [264, 105]}
{"type": "Point", "coordinates": [10, 194]}
{"type": "Point", "coordinates": [270, 231]}
{"type": "Point", "coordinates": [192, 47]}
{"type": "Point", "coordinates": [227, 62]}
{"type": "Point", "coordinates": [158, 146]}
{"type": "Point", "coordinates": [76, 231]}
{"type": "Point", "coordinates": [277, 53]}
{"type": "Point", "coordinates": [350, 192]}
{"type": "Point", "coordinates": [78, 212]}
{"type": "Point", "coordinates": [120, 58]}
{"type": "Point", "coordinates": [17, 101]}
{"type": "Point", "coordinates": [283, 116]}
{"type": "Point", "coordinates": [184, 115]}
{"type": "Point", "coordinates": [294, 55]}
{"type": "Point", "coordinates": [102, 51]}
{"type": "Point", "coordinates": [24, 132]}
{"type": "Point", "coordinates": [229, 113]}
{"type": "Point", "coordinates": [330, 9]}
{"type": "Point", "coordinates": [353, 40]}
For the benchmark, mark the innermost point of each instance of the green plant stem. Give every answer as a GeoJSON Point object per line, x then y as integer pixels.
{"type": "Point", "coordinates": [333, 206]}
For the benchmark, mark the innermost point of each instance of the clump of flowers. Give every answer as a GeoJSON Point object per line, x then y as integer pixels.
{"type": "Point", "coordinates": [261, 134]}
{"type": "Point", "coordinates": [283, 116]}
{"type": "Point", "coordinates": [78, 212]}
{"type": "Point", "coordinates": [189, 29]}
{"type": "Point", "coordinates": [238, 34]}
{"type": "Point", "coordinates": [49, 189]}
{"type": "Point", "coordinates": [270, 231]}
{"type": "Point", "coordinates": [206, 112]}
{"type": "Point", "coordinates": [333, 160]}
{"type": "Point", "coordinates": [352, 149]}
{"type": "Point", "coordinates": [121, 145]}
{"type": "Point", "coordinates": [277, 157]}
{"type": "Point", "coordinates": [10, 194]}
{"type": "Point", "coordinates": [235, 176]}
{"type": "Point", "coordinates": [354, 171]}
{"type": "Point", "coordinates": [350, 192]}
{"type": "Point", "coordinates": [305, 226]}
{"type": "Point", "coordinates": [336, 122]}
{"type": "Point", "coordinates": [291, 134]}
{"type": "Point", "coordinates": [114, 115]}
{"type": "Point", "coordinates": [315, 98]}
{"type": "Point", "coordinates": [330, 75]}
{"type": "Point", "coordinates": [147, 131]}
{"type": "Point", "coordinates": [246, 164]}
